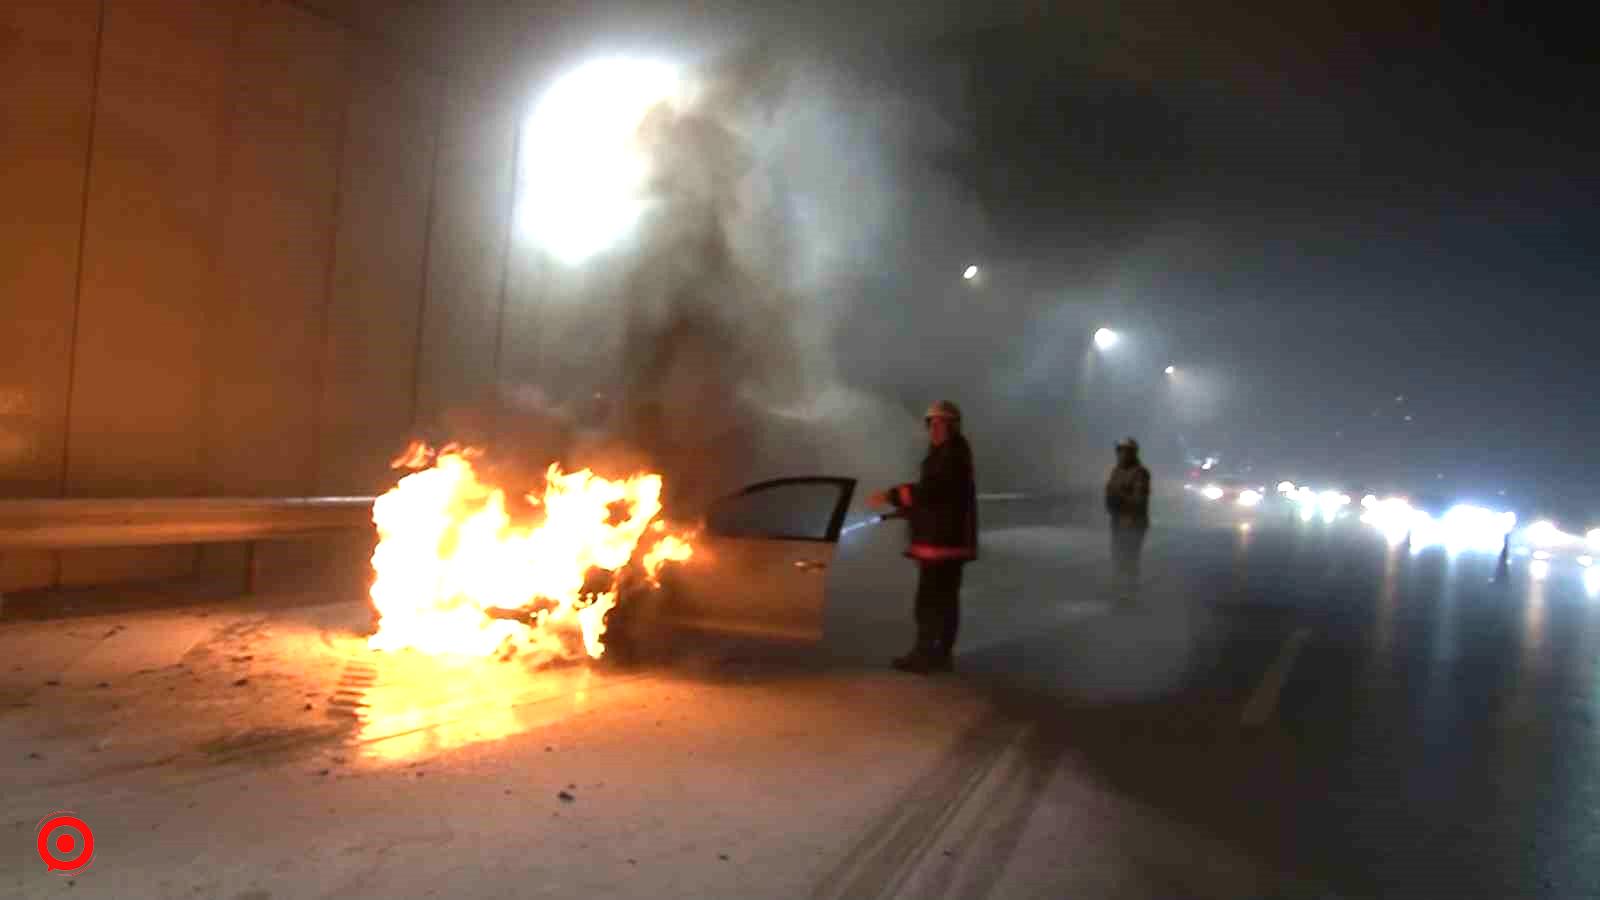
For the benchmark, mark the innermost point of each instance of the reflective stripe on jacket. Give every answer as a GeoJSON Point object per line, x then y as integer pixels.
{"type": "Point", "coordinates": [942, 506]}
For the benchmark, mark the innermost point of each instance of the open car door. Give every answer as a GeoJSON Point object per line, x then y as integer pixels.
{"type": "Point", "coordinates": [761, 561]}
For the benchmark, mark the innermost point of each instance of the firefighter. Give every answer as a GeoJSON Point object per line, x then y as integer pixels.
{"type": "Point", "coordinates": [1128, 502]}
{"type": "Point", "coordinates": [942, 509]}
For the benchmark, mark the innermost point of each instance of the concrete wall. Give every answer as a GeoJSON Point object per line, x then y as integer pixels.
{"type": "Point", "coordinates": [247, 248]}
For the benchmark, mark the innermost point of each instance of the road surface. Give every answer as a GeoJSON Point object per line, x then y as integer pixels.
{"type": "Point", "coordinates": [1296, 711]}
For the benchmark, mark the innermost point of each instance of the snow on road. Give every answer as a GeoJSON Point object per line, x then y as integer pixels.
{"type": "Point", "coordinates": [249, 755]}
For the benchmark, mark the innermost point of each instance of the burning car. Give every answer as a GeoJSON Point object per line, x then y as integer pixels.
{"type": "Point", "coordinates": [588, 566]}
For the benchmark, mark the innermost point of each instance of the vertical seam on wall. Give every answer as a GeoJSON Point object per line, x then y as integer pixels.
{"type": "Point", "coordinates": [222, 303]}
{"type": "Point", "coordinates": [221, 205]}
{"type": "Point", "coordinates": [440, 96]}
{"type": "Point", "coordinates": [505, 263]}
{"type": "Point", "coordinates": [77, 292]}
{"type": "Point", "coordinates": [324, 351]}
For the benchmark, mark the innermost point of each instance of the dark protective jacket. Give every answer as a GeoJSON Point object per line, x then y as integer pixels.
{"type": "Point", "coordinates": [1128, 495]}
{"type": "Point", "coordinates": [942, 507]}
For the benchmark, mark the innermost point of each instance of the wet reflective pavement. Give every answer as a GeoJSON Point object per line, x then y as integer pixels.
{"type": "Point", "coordinates": [1293, 711]}
{"type": "Point", "coordinates": [1434, 732]}
{"type": "Point", "coordinates": [1447, 723]}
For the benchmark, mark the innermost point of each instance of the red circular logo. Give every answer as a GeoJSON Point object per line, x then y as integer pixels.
{"type": "Point", "coordinates": [63, 851]}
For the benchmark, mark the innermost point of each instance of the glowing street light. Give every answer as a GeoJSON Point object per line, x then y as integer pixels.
{"type": "Point", "coordinates": [970, 273]}
{"type": "Point", "coordinates": [585, 176]}
{"type": "Point", "coordinates": [1171, 370]}
{"type": "Point", "coordinates": [1105, 338]}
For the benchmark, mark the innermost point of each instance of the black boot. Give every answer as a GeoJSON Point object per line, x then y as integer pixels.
{"type": "Point", "coordinates": [922, 657]}
{"type": "Point", "coordinates": [915, 661]}
{"type": "Point", "coordinates": [924, 652]}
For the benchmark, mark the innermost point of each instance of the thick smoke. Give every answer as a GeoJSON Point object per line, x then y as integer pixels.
{"type": "Point", "coordinates": [704, 347]}
{"type": "Point", "coordinates": [792, 297]}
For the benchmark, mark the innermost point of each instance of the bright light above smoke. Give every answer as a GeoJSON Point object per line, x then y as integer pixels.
{"type": "Point", "coordinates": [582, 172]}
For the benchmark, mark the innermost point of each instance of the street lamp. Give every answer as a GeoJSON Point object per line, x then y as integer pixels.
{"type": "Point", "coordinates": [1105, 338]}
{"type": "Point", "coordinates": [584, 179]}
{"type": "Point", "coordinates": [1172, 370]}
{"type": "Point", "coordinates": [970, 273]}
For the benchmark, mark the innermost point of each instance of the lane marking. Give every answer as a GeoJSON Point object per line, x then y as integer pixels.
{"type": "Point", "coordinates": [883, 857]}
{"type": "Point", "coordinates": [1265, 700]}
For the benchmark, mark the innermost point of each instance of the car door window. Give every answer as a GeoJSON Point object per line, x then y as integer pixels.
{"type": "Point", "coordinates": [801, 509]}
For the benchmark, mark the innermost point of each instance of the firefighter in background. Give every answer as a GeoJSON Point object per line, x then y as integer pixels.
{"type": "Point", "coordinates": [942, 509]}
{"type": "Point", "coordinates": [1128, 502]}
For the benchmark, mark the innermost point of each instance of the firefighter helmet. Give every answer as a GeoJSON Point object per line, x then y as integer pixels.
{"type": "Point", "coordinates": [943, 409]}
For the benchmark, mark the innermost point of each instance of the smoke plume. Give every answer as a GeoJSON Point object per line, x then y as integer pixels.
{"type": "Point", "coordinates": [703, 345]}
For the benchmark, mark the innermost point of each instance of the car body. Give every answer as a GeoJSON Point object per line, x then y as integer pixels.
{"type": "Point", "coordinates": [759, 570]}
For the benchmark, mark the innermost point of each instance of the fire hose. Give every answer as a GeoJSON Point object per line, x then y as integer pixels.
{"type": "Point", "coordinates": [874, 520]}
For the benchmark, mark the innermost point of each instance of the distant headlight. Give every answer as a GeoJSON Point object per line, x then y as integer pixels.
{"type": "Point", "coordinates": [1330, 502]}
{"type": "Point", "coordinates": [1472, 528]}
{"type": "Point", "coordinates": [1249, 498]}
{"type": "Point", "coordinates": [1212, 492]}
{"type": "Point", "coordinates": [1544, 533]}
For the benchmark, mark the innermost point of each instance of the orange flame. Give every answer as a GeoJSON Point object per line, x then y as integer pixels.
{"type": "Point", "coordinates": [455, 574]}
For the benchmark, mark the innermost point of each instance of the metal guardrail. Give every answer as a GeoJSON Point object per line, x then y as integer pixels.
{"type": "Point", "coordinates": [68, 524]}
